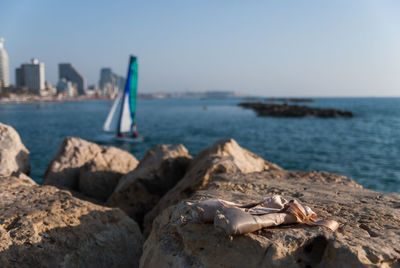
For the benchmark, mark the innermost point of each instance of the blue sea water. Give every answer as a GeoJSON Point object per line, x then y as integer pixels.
{"type": "Point", "coordinates": [365, 148]}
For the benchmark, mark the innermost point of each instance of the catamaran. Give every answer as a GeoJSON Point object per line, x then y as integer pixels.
{"type": "Point", "coordinates": [121, 118]}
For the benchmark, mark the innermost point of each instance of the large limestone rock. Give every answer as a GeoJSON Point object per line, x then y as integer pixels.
{"type": "Point", "coordinates": [85, 166]}
{"type": "Point", "coordinates": [159, 170]}
{"type": "Point", "coordinates": [224, 156]}
{"type": "Point", "coordinates": [99, 177]}
{"type": "Point", "coordinates": [14, 156]}
{"type": "Point", "coordinates": [369, 232]}
{"type": "Point", "coordinates": [42, 226]}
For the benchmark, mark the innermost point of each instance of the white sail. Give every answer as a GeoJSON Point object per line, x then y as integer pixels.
{"type": "Point", "coordinates": [126, 119]}
{"type": "Point", "coordinates": [121, 118]}
{"type": "Point", "coordinates": [111, 123]}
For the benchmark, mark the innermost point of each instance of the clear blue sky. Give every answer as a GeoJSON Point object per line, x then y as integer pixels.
{"type": "Point", "coordinates": [271, 48]}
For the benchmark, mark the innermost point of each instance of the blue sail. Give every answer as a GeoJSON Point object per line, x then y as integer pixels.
{"type": "Point", "coordinates": [121, 118]}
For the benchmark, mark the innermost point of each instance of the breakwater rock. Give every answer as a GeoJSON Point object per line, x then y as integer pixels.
{"type": "Point", "coordinates": [140, 190]}
{"type": "Point", "coordinates": [285, 110]}
{"type": "Point", "coordinates": [14, 156]}
{"type": "Point", "coordinates": [88, 168]}
{"type": "Point", "coordinates": [43, 226]}
{"type": "Point", "coordinates": [368, 235]}
{"type": "Point", "coordinates": [46, 226]}
{"type": "Point", "coordinates": [224, 156]}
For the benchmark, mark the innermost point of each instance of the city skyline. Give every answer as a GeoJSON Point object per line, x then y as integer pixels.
{"type": "Point", "coordinates": [258, 48]}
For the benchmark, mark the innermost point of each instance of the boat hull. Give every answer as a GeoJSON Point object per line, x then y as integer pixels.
{"type": "Point", "coordinates": [129, 139]}
{"type": "Point", "coordinates": [112, 138]}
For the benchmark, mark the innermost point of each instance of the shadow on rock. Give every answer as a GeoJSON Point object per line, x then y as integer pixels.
{"type": "Point", "coordinates": [101, 239]}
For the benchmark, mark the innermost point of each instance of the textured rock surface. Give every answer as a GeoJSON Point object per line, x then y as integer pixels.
{"type": "Point", "coordinates": [104, 167]}
{"type": "Point", "coordinates": [99, 177]}
{"type": "Point", "coordinates": [369, 234]}
{"type": "Point", "coordinates": [42, 226]}
{"type": "Point", "coordinates": [224, 156]}
{"type": "Point", "coordinates": [14, 156]}
{"type": "Point", "coordinates": [159, 170]}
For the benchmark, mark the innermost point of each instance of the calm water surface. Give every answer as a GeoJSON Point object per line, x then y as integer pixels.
{"type": "Point", "coordinates": [365, 148]}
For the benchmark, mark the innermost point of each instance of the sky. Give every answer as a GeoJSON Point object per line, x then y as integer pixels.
{"type": "Point", "coordinates": [268, 48]}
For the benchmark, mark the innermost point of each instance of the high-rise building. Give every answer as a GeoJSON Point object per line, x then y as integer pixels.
{"type": "Point", "coordinates": [70, 73]}
{"type": "Point", "coordinates": [34, 76]}
{"type": "Point", "coordinates": [4, 71]}
{"type": "Point", "coordinates": [110, 83]}
{"type": "Point", "coordinates": [106, 76]}
{"type": "Point", "coordinates": [18, 77]}
{"type": "Point", "coordinates": [31, 75]}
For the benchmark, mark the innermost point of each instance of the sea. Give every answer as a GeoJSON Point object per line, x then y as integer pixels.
{"type": "Point", "coordinates": [365, 148]}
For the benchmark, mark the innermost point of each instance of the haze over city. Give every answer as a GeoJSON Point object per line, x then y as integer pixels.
{"type": "Point", "coordinates": [271, 48]}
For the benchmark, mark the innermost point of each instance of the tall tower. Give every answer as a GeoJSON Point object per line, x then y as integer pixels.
{"type": "Point", "coordinates": [4, 75]}
{"type": "Point", "coordinates": [107, 80]}
{"type": "Point", "coordinates": [69, 73]}
{"type": "Point", "coordinates": [33, 75]}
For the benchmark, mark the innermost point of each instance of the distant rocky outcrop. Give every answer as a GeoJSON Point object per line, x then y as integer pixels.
{"type": "Point", "coordinates": [42, 226]}
{"type": "Point", "coordinates": [285, 110]}
{"type": "Point", "coordinates": [159, 170]}
{"type": "Point", "coordinates": [88, 168]}
{"type": "Point", "coordinates": [369, 232]}
{"type": "Point", "coordinates": [224, 156]}
{"type": "Point", "coordinates": [14, 157]}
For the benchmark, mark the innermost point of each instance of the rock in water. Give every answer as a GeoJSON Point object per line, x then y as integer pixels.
{"type": "Point", "coordinates": [104, 166]}
{"type": "Point", "coordinates": [369, 232]}
{"type": "Point", "coordinates": [42, 226]}
{"type": "Point", "coordinates": [159, 170]}
{"type": "Point", "coordinates": [285, 110]}
{"type": "Point", "coordinates": [224, 156]}
{"type": "Point", "coordinates": [14, 156]}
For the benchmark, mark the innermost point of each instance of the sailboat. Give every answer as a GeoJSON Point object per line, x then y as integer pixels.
{"type": "Point", "coordinates": [121, 118]}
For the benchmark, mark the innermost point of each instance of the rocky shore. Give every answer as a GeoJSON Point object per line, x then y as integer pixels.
{"type": "Point", "coordinates": [286, 110]}
{"type": "Point", "coordinates": [101, 207]}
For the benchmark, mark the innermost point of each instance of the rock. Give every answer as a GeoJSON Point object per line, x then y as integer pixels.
{"type": "Point", "coordinates": [99, 177]}
{"type": "Point", "coordinates": [42, 226]}
{"type": "Point", "coordinates": [104, 165]}
{"type": "Point", "coordinates": [369, 232]}
{"type": "Point", "coordinates": [14, 156]}
{"type": "Point", "coordinates": [159, 170]}
{"type": "Point", "coordinates": [285, 110]}
{"type": "Point", "coordinates": [224, 156]}
{"type": "Point", "coordinates": [64, 169]}
{"type": "Point", "coordinates": [19, 179]}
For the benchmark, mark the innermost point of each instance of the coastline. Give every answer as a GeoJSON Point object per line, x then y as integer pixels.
{"type": "Point", "coordinates": [30, 98]}
{"type": "Point", "coordinates": [38, 99]}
